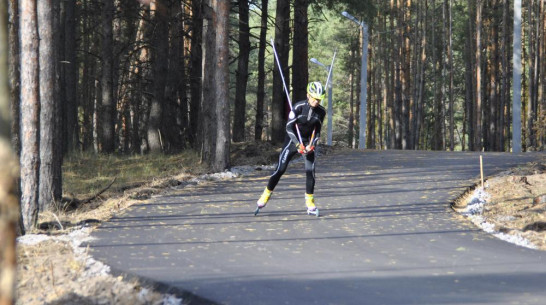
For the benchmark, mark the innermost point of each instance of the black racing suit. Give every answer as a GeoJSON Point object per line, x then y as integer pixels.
{"type": "Point", "coordinates": [307, 119]}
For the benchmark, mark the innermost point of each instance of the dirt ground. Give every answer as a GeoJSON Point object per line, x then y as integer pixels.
{"type": "Point", "coordinates": [54, 269]}
{"type": "Point", "coordinates": [516, 204]}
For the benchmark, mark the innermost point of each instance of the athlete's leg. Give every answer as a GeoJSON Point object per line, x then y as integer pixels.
{"type": "Point", "coordinates": [310, 184]}
{"type": "Point", "coordinates": [310, 173]}
{"type": "Point", "coordinates": [288, 151]}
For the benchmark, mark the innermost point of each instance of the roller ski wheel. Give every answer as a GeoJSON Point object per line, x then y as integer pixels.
{"type": "Point", "coordinates": [314, 212]}
{"type": "Point", "coordinates": [257, 210]}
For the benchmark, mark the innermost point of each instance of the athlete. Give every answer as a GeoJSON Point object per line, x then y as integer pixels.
{"type": "Point", "coordinates": [307, 116]}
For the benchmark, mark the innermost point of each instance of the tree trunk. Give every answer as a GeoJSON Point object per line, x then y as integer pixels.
{"type": "Point", "coordinates": [416, 66]}
{"type": "Point", "coordinates": [532, 68]}
{"type": "Point", "coordinates": [469, 81]}
{"type": "Point", "coordinates": [221, 82]}
{"type": "Point", "coordinates": [108, 106]}
{"type": "Point", "coordinates": [504, 91]}
{"type": "Point", "coordinates": [542, 82]}
{"type": "Point", "coordinates": [160, 70]}
{"type": "Point", "coordinates": [70, 72]}
{"type": "Point", "coordinates": [444, 61]}
{"type": "Point", "coordinates": [50, 186]}
{"type": "Point", "coordinates": [370, 96]}
{"type": "Point", "coordinates": [398, 98]}
{"type": "Point", "coordinates": [182, 83]}
{"type": "Point", "coordinates": [239, 111]}
{"type": "Point", "coordinates": [450, 84]}
{"type": "Point", "coordinates": [138, 106]}
{"type": "Point", "coordinates": [207, 112]}
{"type": "Point", "coordinates": [478, 78]}
{"type": "Point", "coordinates": [282, 45]}
{"type": "Point", "coordinates": [437, 137]}
{"type": "Point", "coordinates": [537, 21]}
{"type": "Point", "coordinates": [175, 92]}
{"type": "Point", "coordinates": [30, 113]}
{"type": "Point", "coordinates": [260, 95]}
{"type": "Point", "coordinates": [383, 128]}
{"type": "Point", "coordinates": [493, 78]}
{"type": "Point", "coordinates": [405, 76]}
{"type": "Point", "coordinates": [58, 154]}
{"type": "Point", "coordinates": [372, 102]}
{"type": "Point", "coordinates": [420, 87]}
{"type": "Point", "coordinates": [358, 102]}
{"type": "Point", "coordinates": [300, 57]}
{"type": "Point", "coordinates": [196, 73]}
{"type": "Point", "coordinates": [126, 35]}
{"type": "Point", "coordinates": [87, 84]}
{"type": "Point", "coordinates": [391, 86]}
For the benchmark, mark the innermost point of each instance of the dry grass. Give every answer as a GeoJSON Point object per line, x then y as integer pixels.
{"type": "Point", "coordinates": [86, 174]}
{"type": "Point", "coordinates": [134, 178]}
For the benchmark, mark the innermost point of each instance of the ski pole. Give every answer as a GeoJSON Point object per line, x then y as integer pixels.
{"type": "Point", "coordinates": [312, 136]}
{"type": "Point", "coordinates": [285, 88]}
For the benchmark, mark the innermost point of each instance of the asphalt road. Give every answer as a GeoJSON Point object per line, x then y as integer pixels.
{"type": "Point", "coordinates": [386, 235]}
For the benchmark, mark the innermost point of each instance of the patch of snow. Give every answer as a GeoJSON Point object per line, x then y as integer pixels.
{"type": "Point", "coordinates": [248, 169]}
{"type": "Point", "coordinates": [516, 239]}
{"type": "Point", "coordinates": [488, 227]}
{"type": "Point", "coordinates": [143, 293]}
{"type": "Point", "coordinates": [168, 299]}
{"type": "Point", "coordinates": [214, 177]}
{"type": "Point", "coordinates": [476, 203]}
{"type": "Point", "coordinates": [474, 211]}
{"type": "Point", "coordinates": [234, 172]}
{"type": "Point", "coordinates": [32, 239]}
{"type": "Point", "coordinates": [171, 300]}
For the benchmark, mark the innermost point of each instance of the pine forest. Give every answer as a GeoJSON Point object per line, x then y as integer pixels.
{"type": "Point", "coordinates": [163, 76]}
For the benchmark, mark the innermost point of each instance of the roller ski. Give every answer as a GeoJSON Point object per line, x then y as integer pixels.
{"type": "Point", "coordinates": [262, 201]}
{"type": "Point", "coordinates": [311, 207]}
{"type": "Point", "coordinates": [313, 212]}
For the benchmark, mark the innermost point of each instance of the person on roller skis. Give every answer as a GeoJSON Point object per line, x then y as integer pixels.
{"type": "Point", "coordinates": [307, 116]}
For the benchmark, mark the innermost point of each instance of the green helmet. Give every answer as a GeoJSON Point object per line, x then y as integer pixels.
{"type": "Point", "coordinates": [315, 90]}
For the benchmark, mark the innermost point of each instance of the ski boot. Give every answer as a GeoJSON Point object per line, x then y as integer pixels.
{"type": "Point", "coordinates": [310, 203]}
{"type": "Point", "coordinates": [262, 201]}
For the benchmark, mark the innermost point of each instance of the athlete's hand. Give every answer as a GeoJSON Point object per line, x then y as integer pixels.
{"type": "Point", "coordinates": [301, 148]}
{"type": "Point", "coordinates": [310, 148]}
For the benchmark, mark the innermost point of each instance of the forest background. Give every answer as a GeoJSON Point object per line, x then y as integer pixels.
{"type": "Point", "coordinates": [126, 77]}
{"type": "Point", "coordinates": [165, 76]}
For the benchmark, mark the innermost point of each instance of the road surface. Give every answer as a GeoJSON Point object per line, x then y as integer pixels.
{"type": "Point", "coordinates": [386, 235]}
